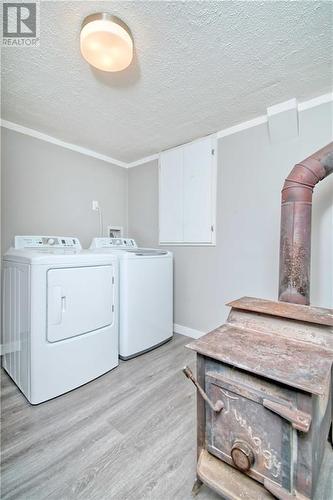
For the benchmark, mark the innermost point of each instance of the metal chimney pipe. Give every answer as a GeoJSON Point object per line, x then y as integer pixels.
{"type": "Point", "coordinates": [295, 237]}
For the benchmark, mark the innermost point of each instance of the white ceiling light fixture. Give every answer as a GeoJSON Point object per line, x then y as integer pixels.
{"type": "Point", "coordinates": [106, 42]}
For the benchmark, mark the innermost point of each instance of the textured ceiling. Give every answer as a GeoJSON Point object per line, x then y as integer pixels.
{"type": "Point", "coordinates": [199, 67]}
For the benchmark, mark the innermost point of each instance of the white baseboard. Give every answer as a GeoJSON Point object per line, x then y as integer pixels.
{"type": "Point", "coordinates": [189, 332]}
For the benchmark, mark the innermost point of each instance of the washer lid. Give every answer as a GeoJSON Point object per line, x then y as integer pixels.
{"type": "Point", "coordinates": [144, 252]}
{"type": "Point", "coordinates": [123, 246]}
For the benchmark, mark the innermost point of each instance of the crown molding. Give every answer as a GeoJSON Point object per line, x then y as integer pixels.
{"type": "Point", "coordinates": [53, 140]}
{"type": "Point", "coordinates": [242, 126]}
{"type": "Point", "coordinates": [278, 108]}
{"type": "Point", "coordinates": [259, 120]}
{"type": "Point", "coordinates": [143, 160]}
{"type": "Point", "coordinates": [316, 101]}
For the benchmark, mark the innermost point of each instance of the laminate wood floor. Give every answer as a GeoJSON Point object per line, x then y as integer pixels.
{"type": "Point", "coordinates": [131, 434]}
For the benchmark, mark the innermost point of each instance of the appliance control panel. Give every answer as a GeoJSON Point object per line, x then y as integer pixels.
{"type": "Point", "coordinates": [46, 242]}
{"type": "Point", "coordinates": [113, 243]}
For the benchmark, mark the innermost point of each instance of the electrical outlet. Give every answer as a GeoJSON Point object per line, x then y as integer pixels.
{"type": "Point", "coordinates": [95, 205]}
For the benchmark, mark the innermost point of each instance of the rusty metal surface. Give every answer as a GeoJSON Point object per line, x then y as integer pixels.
{"type": "Point", "coordinates": [242, 455]}
{"type": "Point", "coordinates": [320, 335]}
{"type": "Point", "coordinates": [282, 494]}
{"type": "Point", "coordinates": [297, 364]}
{"type": "Point", "coordinates": [300, 420]}
{"type": "Point", "coordinates": [245, 420]}
{"type": "Point", "coordinates": [308, 314]}
{"type": "Point", "coordinates": [227, 481]}
{"type": "Point", "coordinates": [307, 446]}
{"type": "Point", "coordinates": [201, 407]}
{"type": "Point", "coordinates": [295, 237]}
{"type": "Point", "coordinates": [255, 431]}
{"type": "Point", "coordinates": [217, 407]}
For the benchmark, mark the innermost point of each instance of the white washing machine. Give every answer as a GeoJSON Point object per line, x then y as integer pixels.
{"type": "Point", "coordinates": [145, 294]}
{"type": "Point", "coordinates": [60, 315]}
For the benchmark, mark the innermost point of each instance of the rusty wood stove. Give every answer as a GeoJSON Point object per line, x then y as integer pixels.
{"type": "Point", "coordinates": [264, 379]}
{"type": "Point", "coordinates": [267, 377]}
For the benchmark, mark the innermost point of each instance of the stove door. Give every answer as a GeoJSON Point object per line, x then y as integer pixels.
{"type": "Point", "coordinates": [247, 435]}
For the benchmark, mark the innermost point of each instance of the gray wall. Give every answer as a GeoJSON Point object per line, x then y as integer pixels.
{"type": "Point", "coordinates": [47, 189]}
{"type": "Point", "coordinates": [251, 171]}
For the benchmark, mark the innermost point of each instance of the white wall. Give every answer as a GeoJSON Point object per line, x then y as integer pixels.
{"type": "Point", "coordinates": [251, 171]}
{"type": "Point", "coordinates": [47, 189]}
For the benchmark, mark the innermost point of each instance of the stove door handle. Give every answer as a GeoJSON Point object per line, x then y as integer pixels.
{"type": "Point", "coordinates": [218, 406]}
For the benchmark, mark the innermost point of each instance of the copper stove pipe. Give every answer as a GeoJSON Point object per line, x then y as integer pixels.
{"type": "Point", "coordinates": [295, 238]}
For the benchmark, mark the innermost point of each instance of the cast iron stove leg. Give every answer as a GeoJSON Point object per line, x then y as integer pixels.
{"type": "Point", "coordinates": [196, 487]}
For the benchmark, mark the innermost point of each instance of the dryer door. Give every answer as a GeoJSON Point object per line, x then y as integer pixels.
{"type": "Point", "coordinates": [79, 300]}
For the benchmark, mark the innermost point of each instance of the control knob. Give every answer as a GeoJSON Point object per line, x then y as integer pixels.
{"type": "Point", "coordinates": [242, 455]}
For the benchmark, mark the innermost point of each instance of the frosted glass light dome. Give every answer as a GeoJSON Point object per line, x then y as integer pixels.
{"type": "Point", "coordinates": [106, 42]}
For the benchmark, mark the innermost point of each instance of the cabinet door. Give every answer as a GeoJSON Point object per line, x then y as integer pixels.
{"type": "Point", "coordinates": [171, 196]}
{"type": "Point", "coordinates": [198, 191]}
{"type": "Point", "coordinates": [187, 194]}
{"type": "Point", "coordinates": [79, 300]}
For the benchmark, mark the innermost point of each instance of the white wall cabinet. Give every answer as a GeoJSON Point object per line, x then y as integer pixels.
{"type": "Point", "coordinates": [187, 193]}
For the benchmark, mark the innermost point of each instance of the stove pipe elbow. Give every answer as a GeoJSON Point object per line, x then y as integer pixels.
{"type": "Point", "coordinates": [295, 237]}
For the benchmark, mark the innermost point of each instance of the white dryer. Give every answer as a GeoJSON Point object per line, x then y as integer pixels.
{"type": "Point", "coordinates": [145, 294]}
{"type": "Point", "coordinates": [60, 315]}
